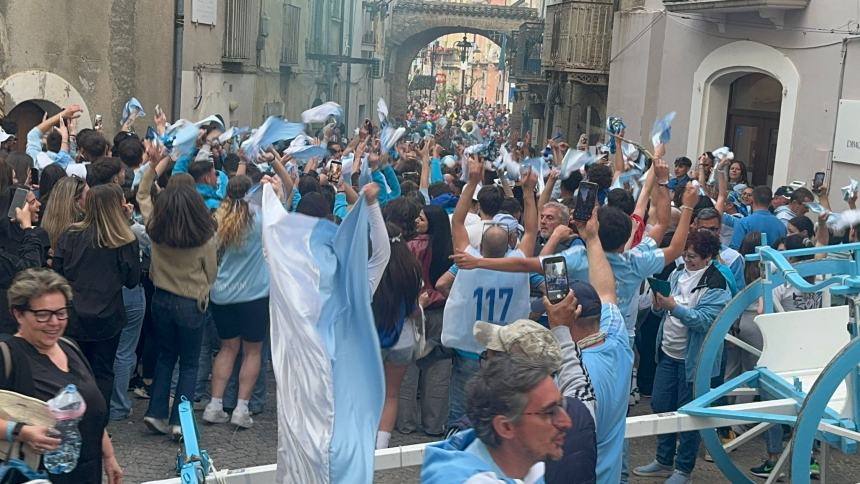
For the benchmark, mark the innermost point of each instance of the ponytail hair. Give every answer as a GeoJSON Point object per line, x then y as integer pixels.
{"type": "Point", "coordinates": [234, 216]}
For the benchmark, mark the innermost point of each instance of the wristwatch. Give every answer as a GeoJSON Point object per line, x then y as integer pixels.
{"type": "Point", "coordinates": [17, 431]}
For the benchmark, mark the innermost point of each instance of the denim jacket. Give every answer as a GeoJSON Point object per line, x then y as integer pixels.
{"type": "Point", "coordinates": [699, 318]}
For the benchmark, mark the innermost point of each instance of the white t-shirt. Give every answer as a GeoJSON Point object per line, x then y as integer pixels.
{"type": "Point", "coordinates": [674, 342]}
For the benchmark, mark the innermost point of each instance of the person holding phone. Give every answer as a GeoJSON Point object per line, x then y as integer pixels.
{"type": "Point", "coordinates": [28, 253]}
{"type": "Point", "coordinates": [699, 291]}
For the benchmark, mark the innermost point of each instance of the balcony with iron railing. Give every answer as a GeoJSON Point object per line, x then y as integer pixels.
{"type": "Point", "coordinates": [578, 36]}
{"type": "Point", "coordinates": [732, 6]}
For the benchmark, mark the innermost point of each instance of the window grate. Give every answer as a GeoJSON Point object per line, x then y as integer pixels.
{"type": "Point", "coordinates": [238, 31]}
{"type": "Point", "coordinates": [291, 38]}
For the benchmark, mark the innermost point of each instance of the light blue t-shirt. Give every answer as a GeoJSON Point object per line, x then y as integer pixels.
{"type": "Point", "coordinates": [609, 366]}
{"type": "Point", "coordinates": [631, 268]}
{"type": "Point", "coordinates": [243, 275]}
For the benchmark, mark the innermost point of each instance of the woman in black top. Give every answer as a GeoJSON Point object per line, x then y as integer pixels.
{"type": "Point", "coordinates": [98, 256]}
{"type": "Point", "coordinates": [22, 246]}
{"type": "Point", "coordinates": [44, 363]}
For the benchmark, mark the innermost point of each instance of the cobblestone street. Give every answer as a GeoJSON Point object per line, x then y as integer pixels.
{"type": "Point", "coordinates": [146, 457]}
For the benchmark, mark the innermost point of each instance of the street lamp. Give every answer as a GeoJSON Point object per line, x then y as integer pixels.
{"type": "Point", "coordinates": [464, 46]}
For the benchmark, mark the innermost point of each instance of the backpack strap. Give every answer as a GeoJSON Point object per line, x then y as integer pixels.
{"type": "Point", "coordinates": [7, 359]}
{"type": "Point", "coordinates": [77, 350]}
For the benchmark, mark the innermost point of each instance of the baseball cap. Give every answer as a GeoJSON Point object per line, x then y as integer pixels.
{"type": "Point", "coordinates": [4, 136]}
{"type": "Point", "coordinates": [529, 337]}
{"type": "Point", "coordinates": [508, 221]}
{"type": "Point", "coordinates": [784, 191]}
{"type": "Point", "coordinates": [587, 298]}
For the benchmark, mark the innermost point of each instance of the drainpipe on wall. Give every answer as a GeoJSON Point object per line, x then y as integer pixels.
{"type": "Point", "coordinates": [349, 65]}
{"type": "Point", "coordinates": [178, 29]}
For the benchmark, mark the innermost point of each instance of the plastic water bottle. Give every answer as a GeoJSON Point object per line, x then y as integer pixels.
{"type": "Point", "coordinates": [67, 408]}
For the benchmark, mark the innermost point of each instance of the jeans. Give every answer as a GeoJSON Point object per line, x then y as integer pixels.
{"type": "Point", "coordinates": [258, 396]}
{"type": "Point", "coordinates": [101, 355]}
{"type": "Point", "coordinates": [671, 391]}
{"type": "Point", "coordinates": [773, 437]}
{"type": "Point", "coordinates": [179, 332]}
{"type": "Point", "coordinates": [211, 343]}
{"type": "Point", "coordinates": [423, 401]}
{"type": "Point", "coordinates": [126, 358]}
{"type": "Point", "coordinates": [461, 371]}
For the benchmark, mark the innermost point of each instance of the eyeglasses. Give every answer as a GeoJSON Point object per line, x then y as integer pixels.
{"type": "Point", "coordinates": [690, 255]}
{"type": "Point", "coordinates": [555, 414]}
{"type": "Point", "coordinates": [45, 315]}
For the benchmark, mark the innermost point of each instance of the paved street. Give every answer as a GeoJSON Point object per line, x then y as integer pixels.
{"type": "Point", "coordinates": [148, 457]}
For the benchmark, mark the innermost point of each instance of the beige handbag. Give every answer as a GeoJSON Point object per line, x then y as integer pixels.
{"type": "Point", "coordinates": [22, 409]}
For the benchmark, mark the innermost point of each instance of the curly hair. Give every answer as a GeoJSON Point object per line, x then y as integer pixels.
{"type": "Point", "coordinates": [704, 243]}
{"type": "Point", "coordinates": [234, 216]}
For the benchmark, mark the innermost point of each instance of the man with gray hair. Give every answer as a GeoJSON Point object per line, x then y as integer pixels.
{"type": "Point", "coordinates": [528, 338]}
{"type": "Point", "coordinates": [519, 421]}
{"type": "Point", "coordinates": [553, 215]}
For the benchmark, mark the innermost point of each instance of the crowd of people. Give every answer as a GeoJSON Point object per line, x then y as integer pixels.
{"type": "Point", "coordinates": [133, 267]}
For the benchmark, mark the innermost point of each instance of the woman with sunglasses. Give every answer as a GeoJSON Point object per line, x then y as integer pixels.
{"type": "Point", "coordinates": [98, 256]}
{"type": "Point", "coordinates": [699, 290]}
{"type": "Point", "coordinates": [43, 363]}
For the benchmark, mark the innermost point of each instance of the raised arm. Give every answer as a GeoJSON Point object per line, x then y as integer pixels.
{"type": "Point", "coordinates": [530, 215]}
{"type": "Point", "coordinates": [679, 240]}
{"type": "Point", "coordinates": [600, 273]}
{"type": "Point", "coordinates": [659, 199]}
{"type": "Point", "coordinates": [722, 191]}
{"type": "Point", "coordinates": [618, 163]}
{"type": "Point", "coordinates": [546, 194]}
{"type": "Point", "coordinates": [645, 194]}
{"type": "Point", "coordinates": [459, 234]}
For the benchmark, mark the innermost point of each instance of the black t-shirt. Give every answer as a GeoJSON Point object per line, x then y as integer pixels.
{"type": "Point", "coordinates": [35, 375]}
{"type": "Point", "coordinates": [96, 275]}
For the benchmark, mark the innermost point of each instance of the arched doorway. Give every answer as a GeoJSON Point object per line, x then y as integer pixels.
{"type": "Point", "coordinates": [752, 124]}
{"type": "Point", "coordinates": [712, 88]}
{"type": "Point", "coordinates": [28, 115]}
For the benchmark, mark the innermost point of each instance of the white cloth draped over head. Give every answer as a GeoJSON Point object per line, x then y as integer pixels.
{"type": "Point", "coordinates": [325, 349]}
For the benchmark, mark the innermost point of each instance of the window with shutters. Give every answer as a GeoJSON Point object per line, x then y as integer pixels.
{"type": "Point", "coordinates": [238, 30]}
{"type": "Point", "coordinates": [290, 39]}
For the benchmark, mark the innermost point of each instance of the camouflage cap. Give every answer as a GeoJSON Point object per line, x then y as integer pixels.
{"type": "Point", "coordinates": [523, 336]}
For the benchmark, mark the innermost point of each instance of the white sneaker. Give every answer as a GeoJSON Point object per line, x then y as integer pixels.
{"type": "Point", "coordinates": [157, 425]}
{"type": "Point", "coordinates": [176, 432]}
{"type": "Point", "coordinates": [242, 419]}
{"type": "Point", "coordinates": [215, 415]}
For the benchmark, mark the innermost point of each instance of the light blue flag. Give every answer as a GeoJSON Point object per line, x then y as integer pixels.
{"type": "Point", "coordinates": [389, 136]}
{"type": "Point", "coordinates": [184, 140]}
{"type": "Point", "coordinates": [661, 133]}
{"type": "Point", "coordinates": [614, 125]}
{"type": "Point", "coordinates": [575, 160]}
{"type": "Point", "coordinates": [304, 154]}
{"type": "Point", "coordinates": [275, 129]}
{"type": "Point", "coordinates": [323, 112]}
{"type": "Point", "coordinates": [325, 347]}
{"type": "Point", "coordinates": [130, 106]}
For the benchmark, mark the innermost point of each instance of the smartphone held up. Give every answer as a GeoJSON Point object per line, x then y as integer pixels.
{"type": "Point", "coordinates": [585, 201]}
{"type": "Point", "coordinates": [555, 278]}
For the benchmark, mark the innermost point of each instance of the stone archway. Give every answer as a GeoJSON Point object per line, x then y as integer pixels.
{"type": "Point", "coordinates": [712, 86]}
{"type": "Point", "coordinates": [41, 86]}
{"type": "Point", "coordinates": [420, 22]}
